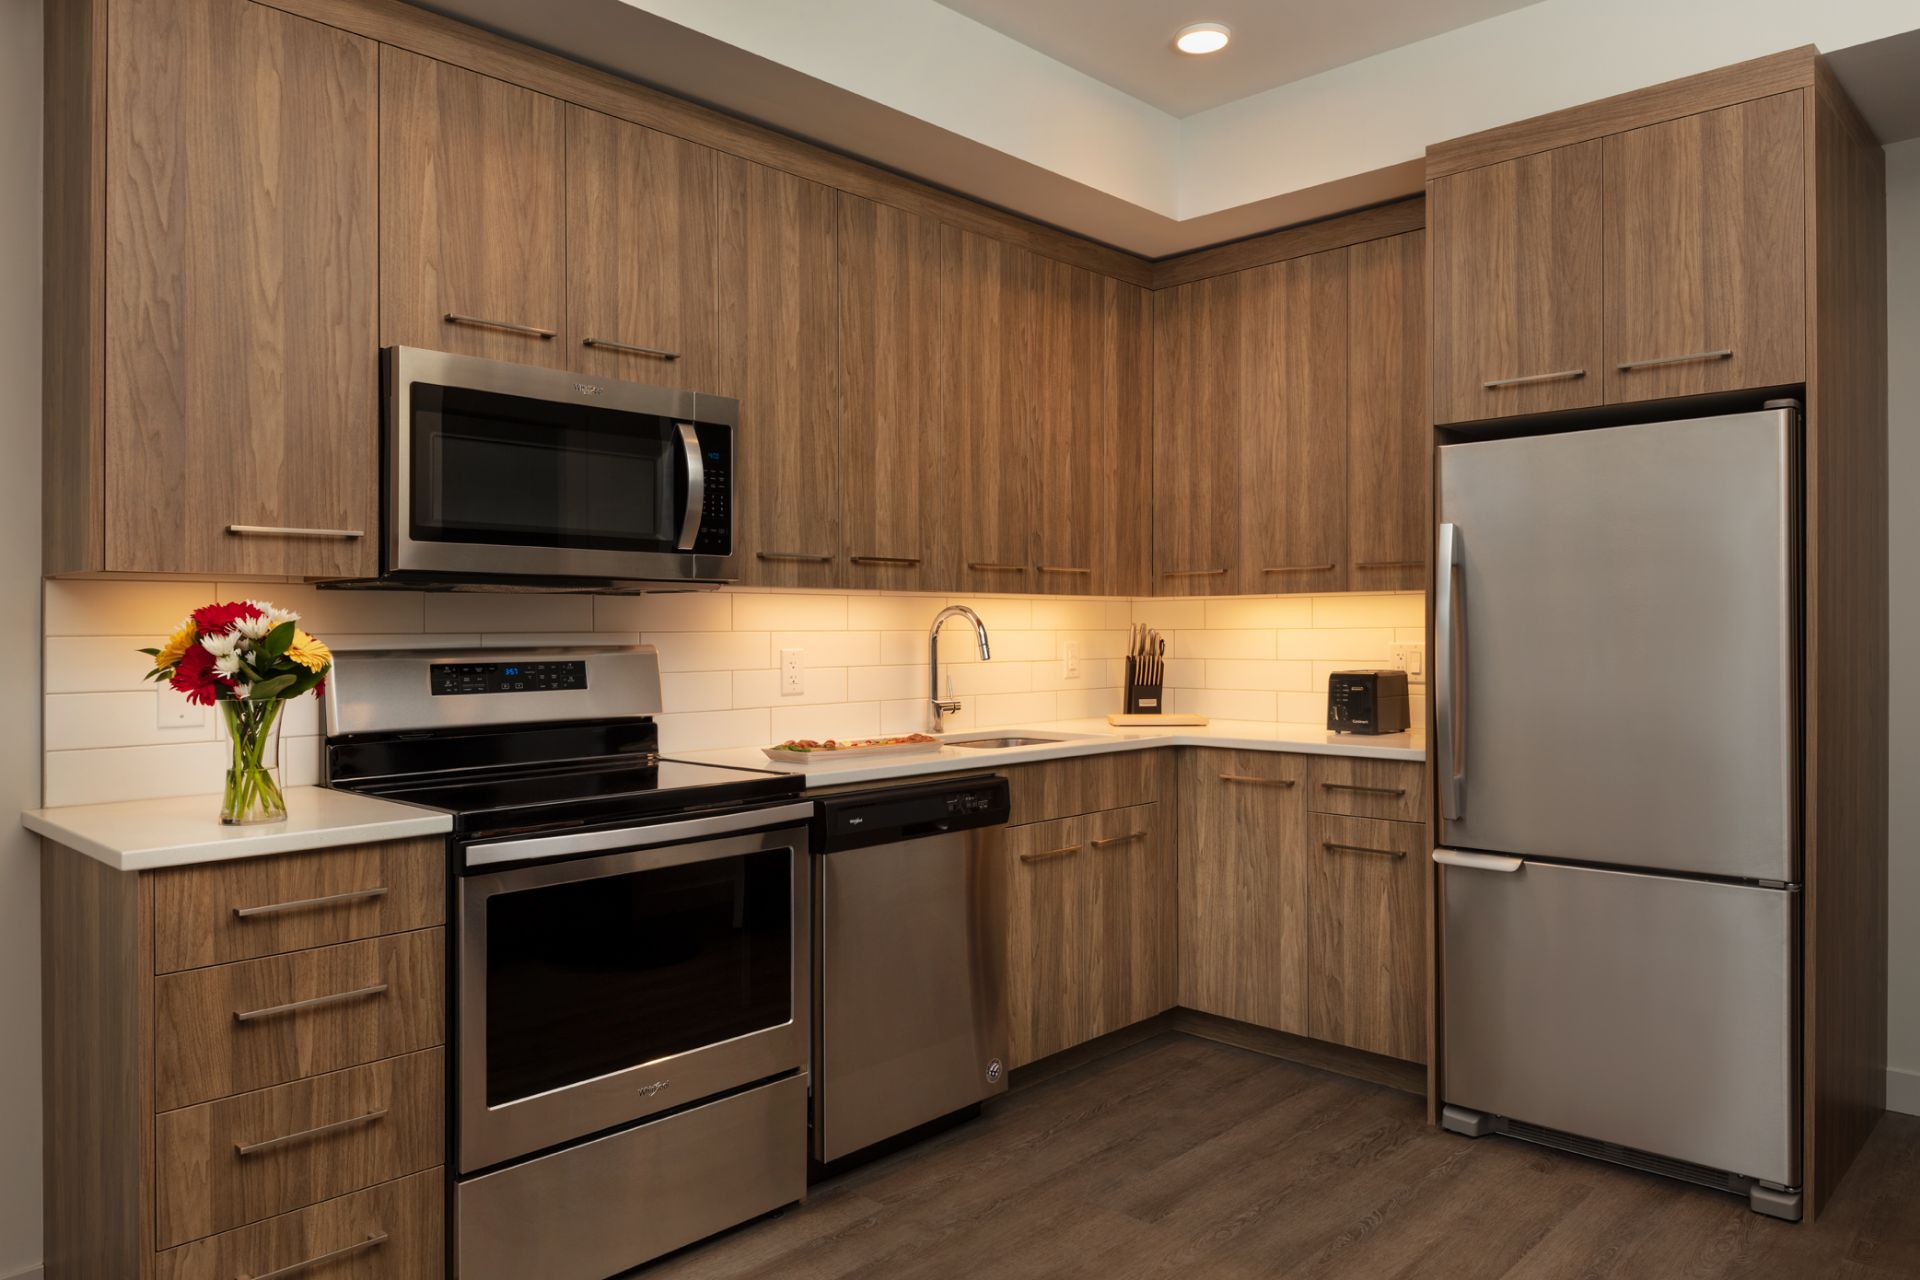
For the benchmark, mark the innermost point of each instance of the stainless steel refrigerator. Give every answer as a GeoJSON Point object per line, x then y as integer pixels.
{"type": "Point", "coordinates": [1616, 699]}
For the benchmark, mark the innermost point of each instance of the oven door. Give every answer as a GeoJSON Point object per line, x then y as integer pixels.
{"type": "Point", "coordinates": [597, 991]}
{"type": "Point", "coordinates": [502, 470]}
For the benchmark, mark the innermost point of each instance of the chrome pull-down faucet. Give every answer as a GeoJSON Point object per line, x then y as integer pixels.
{"type": "Point", "coordinates": [947, 706]}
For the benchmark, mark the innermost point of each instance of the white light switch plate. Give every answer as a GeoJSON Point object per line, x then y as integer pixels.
{"type": "Point", "coordinates": [1073, 658]}
{"type": "Point", "coordinates": [792, 672]}
{"type": "Point", "coordinates": [1410, 657]}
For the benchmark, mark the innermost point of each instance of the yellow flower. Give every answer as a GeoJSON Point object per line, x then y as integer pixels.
{"type": "Point", "coordinates": [309, 653]}
{"type": "Point", "coordinates": [176, 646]}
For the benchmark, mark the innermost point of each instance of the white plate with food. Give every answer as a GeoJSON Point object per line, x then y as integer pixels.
{"type": "Point", "coordinates": [807, 752]}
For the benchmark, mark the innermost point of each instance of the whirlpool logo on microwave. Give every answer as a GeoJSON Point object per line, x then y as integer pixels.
{"type": "Point", "coordinates": [649, 1090]}
{"type": "Point", "coordinates": [589, 389]}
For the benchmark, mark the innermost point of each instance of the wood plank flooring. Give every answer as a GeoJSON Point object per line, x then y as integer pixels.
{"type": "Point", "coordinates": [1182, 1157]}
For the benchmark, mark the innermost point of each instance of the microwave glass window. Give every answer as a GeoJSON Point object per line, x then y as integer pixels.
{"type": "Point", "coordinates": [599, 975]}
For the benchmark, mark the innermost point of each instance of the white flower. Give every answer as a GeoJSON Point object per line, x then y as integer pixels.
{"type": "Point", "coordinates": [255, 628]}
{"type": "Point", "coordinates": [273, 615]}
{"type": "Point", "coordinates": [242, 690]}
{"type": "Point", "coordinates": [227, 664]}
{"type": "Point", "coordinates": [221, 645]}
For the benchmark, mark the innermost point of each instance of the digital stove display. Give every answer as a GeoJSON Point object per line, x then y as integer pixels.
{"type": "Point", "coordinates": [507, 677]}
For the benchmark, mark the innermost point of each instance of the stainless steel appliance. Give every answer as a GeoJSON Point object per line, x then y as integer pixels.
{"type": "Point", "coordinates": [1617, 617]}
{"type": "Point", "coordinates": [503, 475]}
{"type": "Point", "coordinates": [909, 1002]}
{"type": "Point", "coordinates": [629, 955]}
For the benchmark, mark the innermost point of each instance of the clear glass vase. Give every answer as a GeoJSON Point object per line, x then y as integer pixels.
{"type": "Point", "coordinates": [253, 773]}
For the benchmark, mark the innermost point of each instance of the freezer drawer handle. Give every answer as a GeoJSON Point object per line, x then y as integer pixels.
{"type": "Point", "coordinates": [1477, 861]}
{"type": "Point", "coordinates": [1372, 791]}
{"type": "Point", "coordinates": [1331, 847]}
{"type": "Point", "coordinates": [1046, 855]}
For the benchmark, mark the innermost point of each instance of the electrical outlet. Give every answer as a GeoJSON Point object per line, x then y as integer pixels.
{"type": "Point", "coordinates": [1073, 659]}
{"type": "Point", "coordinates": [1409, 657]}
{"type": "Point", "coordinates": [792, 672]}
{"type": "Point", "coordinates": [173, 711]}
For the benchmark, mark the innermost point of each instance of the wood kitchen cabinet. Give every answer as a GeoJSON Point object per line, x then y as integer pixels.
{"type": "Point", "coordinates": [1367, 934]}
{"type": "Point", "coordinates": [1389, 431]}
{"type": "Point", "coordinates": [1705, 279]}
{"type": "Point", "coordinates": [1196, 442]}
{"type": "Point", "coordinates": [473, 216]}
{"type": "Point", "coordinates": [892, 354]}
{"type": "Point", "coordinates": [1516, 252]}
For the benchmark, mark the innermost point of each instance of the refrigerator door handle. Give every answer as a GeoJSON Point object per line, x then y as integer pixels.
{"type": "Point", "coordinates": [1449, 708]}
{"type": "Point", "coordinates": [1477, 861]}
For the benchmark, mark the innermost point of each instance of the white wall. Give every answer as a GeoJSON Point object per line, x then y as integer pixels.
{"type": "Point", "coordinates": [20, 75]}
{"type": "Point", "coordinates": [1903, 536]}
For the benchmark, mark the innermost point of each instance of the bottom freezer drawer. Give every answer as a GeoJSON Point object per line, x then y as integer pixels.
{"type": "Point", "coordinates": [1648, 1011]}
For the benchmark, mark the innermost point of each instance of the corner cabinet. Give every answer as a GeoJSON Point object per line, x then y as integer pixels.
{"type": "Point", "coordinates": [212, 394]}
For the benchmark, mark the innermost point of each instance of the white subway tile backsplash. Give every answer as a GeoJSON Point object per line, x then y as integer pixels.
{"type": "Point", "coordinates": [1269, 612]}
{"type": "Point", "coordinates": [782, 612]}
{"type": "Point", "coordinates": [892, 612]}
{"type": "Point", "coordinates": [1004, 613]}
{"type": "Point", "coordinates": [134, 773]}
{"type": "Point", "coordinates": [1071, 615]}
{"type": "Point", "coordinates": [1257, 673]}
{"type": "Point", "coordinates": [335, 611]}
{"type": "Point", "coordinates": [867, 684]}
{"type": "Point", "coordinates": [761, 688]}
{"type": "Point", "coordinates": [97, 664]}
{"type": "Point", "coordinates": [493, 611]}
{"type": "Point", "coordinates": [76, 721]}
{"type": "Point", "coordinates": [414, 640]}
{"type": "Point", "coordinates": [1228, 704]}
{"type": "Point", "coordinates": [534, 639]}
{"type": "Point", "coordinates": [826, 720]}
{"type": "Point", "coordinates": [1014, 708]}
{"type": "Point", "coordinates": [697, 690]}
{"type": "Point", "coordinates": [671, 611]}
{"type": "Point", "coordinates": [1372, 645]}
{"type": "Point", "coordinates": [829, 648]}
{"type": "Point", "coordinates": [710, 730]}
{"type": "Point", "coordinates": [710, 650]}
{"type": "Point", "coordinates": [117, 608]}
{"type": "Point", "coordinates": [1171, 615]}
{"type": "Point", "coordinates": [1400, 610]}
{"type": "Point", "coordinates": [1223, 644]}
{"type": "Point", "coordinates": [992, 677]}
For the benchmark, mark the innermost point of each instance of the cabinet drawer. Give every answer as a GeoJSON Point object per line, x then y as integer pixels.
{"type": "Point", "coordinates": [1367, 952]}
{"type": "Point", "coordinates": [389, 1232]}
{"type": "Point", "coordinates": [236, 1027]}
{"type": "Point", "coordinates": [1085, 784]}
{"type": "Point", "coordinates": [224, 1164]}
{"type": "Point", "coordinates": [1392, 789]}
{"type": "Point", "coordinates": [264, 906]}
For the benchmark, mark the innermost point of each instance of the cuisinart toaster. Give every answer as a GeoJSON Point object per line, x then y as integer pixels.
{"type": "Point", "coordinates": [1367, 701]}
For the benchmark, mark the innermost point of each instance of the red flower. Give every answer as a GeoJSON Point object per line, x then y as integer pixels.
{"type": "Point", "coordinates": [213, 619]}
{"type": "Point", "coordinates": [195, 676]}
{"type": "Point", "coordinates": [320, 689]}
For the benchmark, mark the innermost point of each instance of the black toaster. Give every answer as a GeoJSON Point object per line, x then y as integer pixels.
{"type": "Point", "coordinates": [1367, 701]}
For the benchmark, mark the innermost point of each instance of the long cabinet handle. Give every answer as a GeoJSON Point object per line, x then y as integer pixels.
{"type": "Point", "coordinates": [983, 566]}
{"type": "Point", "coordinates": [1527, 380]}
{"type": "Point", "coordinates": [899, 560]}
{"type": "Point", "coordinates": [1692, 357]}
{"type": "Point", "coordinates": [1372, 791]}
{"type": "Point", "coordinates": [1259, 782]}
{"type": "Point", "coordinates": [1300, 568]}
{"type": "Point", "coordinates": [505, 326]}
{"type": "Point", "coordinates": [1390, 564]}
{"type": "Point", "coordinates": [281, 531]}
{"type": "Point", "coordinates": [1061, 568]}
{"type": "Point", "coordinates": [373, 1241]}
{"type": "Point", "coordinates": [1332, 847]}
{"type": "Point", "coordinates": [658, 353]}
{"type": "Point", "coordinates": [318, 1131]}
{"type": "Point", "coordinates": [1109, 841]}
{"type": "Point", "coordinates": [1193, 573]}
{"type": "Point", "coordinates": [309, 904]}
{"type": "Point", "coordinates": [1061, 852]}
{"type": "Point", "coordinates": [803, 557]}
{"type": "Point", "coordinates": [317, 1002]}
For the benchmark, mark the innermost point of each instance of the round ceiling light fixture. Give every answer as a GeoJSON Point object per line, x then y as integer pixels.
{"type": "Point", "coordinates": [1203, 37]}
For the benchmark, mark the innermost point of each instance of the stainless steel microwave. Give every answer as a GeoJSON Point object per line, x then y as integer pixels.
{"type": "Point", "coordinates": [503, 475]}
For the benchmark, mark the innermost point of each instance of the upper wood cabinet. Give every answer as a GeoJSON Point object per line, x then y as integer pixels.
{"type": "Point", "coordinates": [473, 217]}
{"type": "Point", "coordinates": [1389, 430]}
{"type": "Point", "coordinates": [892, 353]}
{"type": "Point", "coordinates": [655, 248]}
{"type": "Point", "coordinates": [240, 419]}
{"type": "Point", "coordinates": [1516, 285]}
{"type": "Point", "coordinates": [1196, 437]}
{"type": "Point", "coordinates": [1705, 282]}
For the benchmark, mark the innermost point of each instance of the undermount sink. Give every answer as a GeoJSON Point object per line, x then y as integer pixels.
{"type": "Point", "coordinates": [1009, 740]}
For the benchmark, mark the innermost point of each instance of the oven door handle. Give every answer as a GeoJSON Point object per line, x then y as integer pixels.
{"type": "Point", "coordinates": [720, 824]}
{"type": "Point", "coordinates": [696, 484]}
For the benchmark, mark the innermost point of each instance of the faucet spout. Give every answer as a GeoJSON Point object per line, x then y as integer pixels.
{"type": "Point", "coordinates": [946, 706]}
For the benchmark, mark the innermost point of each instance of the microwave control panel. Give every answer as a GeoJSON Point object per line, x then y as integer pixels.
{"type": "Point", "coordinates": [506, 677]}
{"type": "Point", "coordinates": [716, 513]}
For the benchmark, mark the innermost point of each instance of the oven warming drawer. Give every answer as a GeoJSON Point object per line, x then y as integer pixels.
{"type": "Point", "coordinates": [598, 1208]}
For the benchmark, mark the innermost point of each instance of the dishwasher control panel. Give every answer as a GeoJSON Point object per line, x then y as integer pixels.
{"type": "Point", "coordinates": [885, 815]}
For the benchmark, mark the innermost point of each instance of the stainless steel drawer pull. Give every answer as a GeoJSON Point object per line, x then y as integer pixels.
{"type": "Point", "coordinates": [1371, 791]}
{"type": "Point", "coordinates": [982, 566]}
{"type": "Point", "coordinates": [481, 322]}
{"type": "Point", "coordinates": [803, 557]}
{"type": "Point", "coordinates": [900, 560]}
{"type": "Point", "coordinates": [309, 904]}
{"type": "Point", "coordinates": [657, 353]}
{"type": "Point", "coordinates": [318, 1131]}
{"type": "Point", "coordinates": [1331, 847]}
{"type": "Point", "coordinates": [1563, 375]}
{"type": "Point", "coordinates": [1693, 357]}
{"type": "Point", "coordinates": [1260, 782]}
{"type": "Point", "coordinates": [375, 1240]}
{"type": "Point", "coordinates": [1300, 568]}
{"type": "Point", "coordinates": [1061, 852]}
{"type": "Point", "coordinates": [1062, 568]}
{"type": "Point", "coordinates": [318, 1002]}
{"type": "Point", "coordinates": [1193, 573]}
{"type": "Point", "coordinates": [1390, 564]}
{"type": "Point", "coordinates": [1110, 841]}
{"type": "Point", "coordinates": [276, 531]}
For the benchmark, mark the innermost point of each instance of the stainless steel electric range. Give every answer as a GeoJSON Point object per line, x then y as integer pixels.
{"type": "Point", "coordinates": [629, 956]}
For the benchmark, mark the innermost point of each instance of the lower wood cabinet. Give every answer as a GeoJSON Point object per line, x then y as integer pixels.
{"type": "Point", "coordinates": [394, 1231]}
{"type": "Point", "coordinates": [1367, 934]}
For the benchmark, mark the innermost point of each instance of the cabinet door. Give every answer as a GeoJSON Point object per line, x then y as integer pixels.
{"type": "Point", "coordinates": [1196, 438]}
{"type": "Point", "coordinates": [473, 219]}
{"type": "Point", "coordinates": [242, 387]}
{"type": "Point", "coordinates": [1516, 285]}
{"type": "Point", "coordinates": [1243, 887]}
{"type": "Point", "coordinates": [1050, 939]}
{"type": "Point", "coordinates": [992, 412]}
{"type": "Point", "coordinates": [649, 219]}
{"type": "Point", "coordinates": [892, 349]}
{"type": "Point", "coordinates": [789, 518]}
{"type": "Point", "coordinates": [1368, 950]}
{"type": "Point", "coordinates": [1092, 517]}
{"type": "Point", "coordinates": [1706, 253]}
{"type": "Point", "coordinates": [1293, 425]}
{"type": "Point", "coordinates": [1132, 881]}
{"type": "Point", "coordinates": [1389, 430]}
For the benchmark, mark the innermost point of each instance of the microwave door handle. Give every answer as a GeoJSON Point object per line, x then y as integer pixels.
{"type": "Point", "coordinates": [696, 484]}
{"type": "Point", "coordinates": [1449, 710]}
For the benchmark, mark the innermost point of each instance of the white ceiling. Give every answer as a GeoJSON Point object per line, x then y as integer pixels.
{"type": "Point", "coordinates": [1128, 44]}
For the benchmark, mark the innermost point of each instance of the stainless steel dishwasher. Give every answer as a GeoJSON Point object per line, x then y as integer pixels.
{"type": "Point", "coordinates": [909, 1006]}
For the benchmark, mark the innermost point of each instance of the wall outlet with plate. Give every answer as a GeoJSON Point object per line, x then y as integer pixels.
{"type": "Point", "coordinates": [1410, 657]}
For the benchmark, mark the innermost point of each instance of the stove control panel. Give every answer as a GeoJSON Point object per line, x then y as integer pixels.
{"type": "Point", "coordinates": [506, 677]}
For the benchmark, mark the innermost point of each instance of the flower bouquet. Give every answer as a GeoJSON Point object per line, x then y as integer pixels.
{"type": "Point", "coordinates": [248, 658]}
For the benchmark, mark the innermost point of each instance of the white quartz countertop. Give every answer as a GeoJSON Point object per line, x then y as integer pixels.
{"type": "Point", "coordinates": [141, 835]}
{"type": "Point", "coordinates": [1082, 738]}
